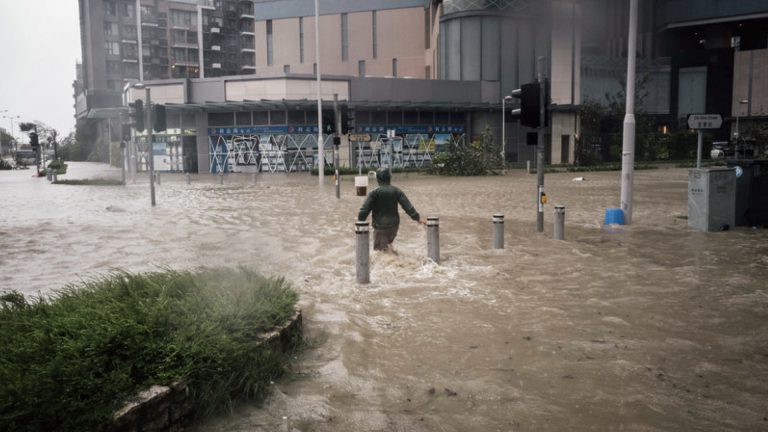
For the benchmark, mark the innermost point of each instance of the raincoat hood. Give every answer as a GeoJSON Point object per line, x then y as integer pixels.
{"type": "Point", "coordinates": [383, 177]}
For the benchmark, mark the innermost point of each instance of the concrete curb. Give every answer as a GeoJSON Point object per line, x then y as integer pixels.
{"type": "Point", "coordinates": [166, 408]}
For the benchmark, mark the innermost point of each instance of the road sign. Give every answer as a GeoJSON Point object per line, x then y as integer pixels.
{"type": "Point", "coordinates": [360, 137]}
{"type": "Point", "coordinates": [705, 121]}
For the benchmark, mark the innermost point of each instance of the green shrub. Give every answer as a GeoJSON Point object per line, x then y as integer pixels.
{"type": "Point", "coordinates": [5, 165]}
{"type": "Point", "coordinates": [69, 362]}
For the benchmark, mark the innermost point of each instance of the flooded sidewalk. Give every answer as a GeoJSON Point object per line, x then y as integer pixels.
{"type": "Point", "coordinates": [650, 327]}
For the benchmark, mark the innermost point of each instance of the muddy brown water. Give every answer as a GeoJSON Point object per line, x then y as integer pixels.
{"type": "Point", "coordinates": [651, 327]}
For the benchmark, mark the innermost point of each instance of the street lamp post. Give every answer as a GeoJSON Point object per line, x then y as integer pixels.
{"type": "Point", "coordinates": [504, 129]}
{"type": "Point", "coordinates": [736, 134]}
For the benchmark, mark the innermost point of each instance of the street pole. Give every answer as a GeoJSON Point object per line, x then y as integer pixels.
{"type": "Point", "coordinates": [504, 130]}
{"type": "Point", "coordinates": [540, 148]}
{"type": "Point", "coordinates": [320, 144]}
{"type": "Point", "coordinates": [628, 141]}
{"type": "Point", "coordinates": [699, 145]}
{"type": "Point", "coordinates": [150, 139]}
{"type": "Point", "coordinates": [337, 127]}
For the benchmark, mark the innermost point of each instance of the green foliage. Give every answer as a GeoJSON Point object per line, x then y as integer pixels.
{"type": "Point", "coordinates": [5, 165]}
{"type": "Point", "coordinates": [59, 166]}
{"type": "Point", "coordinates": [480, 157]}
{"type": "Point", "coordinates": [69, 362]}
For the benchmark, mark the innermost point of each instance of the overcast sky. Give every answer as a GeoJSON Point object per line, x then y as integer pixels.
{"type": "Point", "coordinates": [39, 47]}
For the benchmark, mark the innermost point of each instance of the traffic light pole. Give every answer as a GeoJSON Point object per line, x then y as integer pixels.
{"type": "Point", "coordinates": [540, 148]}
{"type": "Point", "coordinates": [150, 143]}
{"type": "Point", "coordinates": [337, 127]}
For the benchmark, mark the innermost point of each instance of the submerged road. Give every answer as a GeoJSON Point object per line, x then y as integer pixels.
{"type": "Point", "coordinates": [651, 327]}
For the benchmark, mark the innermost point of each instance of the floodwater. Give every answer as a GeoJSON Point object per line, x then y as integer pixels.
{"type": "Point", "coordinates": [650, 327]}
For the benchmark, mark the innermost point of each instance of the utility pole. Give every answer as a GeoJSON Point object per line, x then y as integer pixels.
{"type": "Point", "coordinates": [320, 143]}
{"type": "Point", "coordinates": [150, 142]}
{"type": "Point", "coordinates": [628, 140]}
{"type": "Point", "coordinates": [540, 146]}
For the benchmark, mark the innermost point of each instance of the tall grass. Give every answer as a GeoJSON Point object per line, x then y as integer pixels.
{"type": "Point", "coordinates": [68, 362]}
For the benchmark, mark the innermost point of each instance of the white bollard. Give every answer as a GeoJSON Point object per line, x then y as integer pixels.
{"type": "Point", "coordinates": [498, 231]}
{"type": "Point", "coordinates": [254, 178]}
{"type": "Point", "coordinates": [362, 252]}
{"type": "Point", "coordinates": [157, 175]}
{"type": "Point", "coordinates": [433, 239]}
{"type": "Point", "coordinates": [559, 222]}
{"type": "Point", "coordinates": [189, 178]}
{"type": "Point", "coordinates": [528, 166]}
{"type": "Point", "coordinates": [221, 177]}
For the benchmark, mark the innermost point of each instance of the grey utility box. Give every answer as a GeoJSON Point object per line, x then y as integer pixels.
{"type": "Point", "coordinates": [711, 198]}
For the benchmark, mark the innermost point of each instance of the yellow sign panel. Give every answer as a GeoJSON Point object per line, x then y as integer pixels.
{"type": "Point", "coordinates": [360, 137]}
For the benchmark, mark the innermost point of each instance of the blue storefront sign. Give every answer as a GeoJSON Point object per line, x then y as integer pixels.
{"type": "Point", "coordinates": [312, 129]}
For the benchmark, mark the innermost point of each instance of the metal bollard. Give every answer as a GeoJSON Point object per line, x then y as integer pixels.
{"type": "Point", "coordinates": [254, 178]}
{"type": "Point", "coordinates": [55, 176]}
{"type": "Point", "coordinates": [189, 178]}
{"type": "Point", "coordinates": [559, 222]}
{"type": "Point", "coordinates": [49, 174]}
{"type": "Point", "coordinates": [157, 175]}
{"type": "Point", "coordinates": [362, 261]}
{"type": "Point", "coordinates": [528, 166]}
{"type": "Point", "coordinates": [221, 177]}
{"type": "Point", "coordinates": [433, 239]}
{"type": "Point", "coordinates": [498, 231]}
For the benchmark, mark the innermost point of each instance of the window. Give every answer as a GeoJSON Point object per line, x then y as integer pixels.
{"type": "Point", "coordinates": [111, 29]}
{"type": "Point", "coordinates": [114, 67]}
{"type": "Point", "coordinates": [110, 9]}
{"type": "Point", "coordinates": [361, 68]}
{"type": "Point", "coordinates": [127, 10]}
{"type": "Point", "coordinates": [373, 35]}
{"type": "Point", "coordinates": [112, 48]}
{"type": "Point", "coordinates": [344, 37]}
{"type": "Point", "coordinates": [185, 19]}
{"type": "Point", "coordinates": [269, 43]}
{"type": "Point", "coordinates": [287, 69]}
{"type": "Point", "coordinates": [394, 67]}
{"type": "Point", "coordinates": [130, 50]}
{"type": "Point", "coordinates": [130, 32]}
{"type": "Point", "coordinates": [301, 40]}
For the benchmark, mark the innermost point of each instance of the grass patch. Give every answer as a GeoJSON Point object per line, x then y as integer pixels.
{"type": "Point", "coordinates": [91, 182]}
{"type": "Point", "coordinates": [70, 361]}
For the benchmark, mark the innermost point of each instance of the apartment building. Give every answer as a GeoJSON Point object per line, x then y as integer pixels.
{"type": "Point", "coordinates": [400, 64]}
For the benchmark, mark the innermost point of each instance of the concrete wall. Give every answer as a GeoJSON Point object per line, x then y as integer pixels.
{"type": "Point", "coordinates": [400, 35]}
{"type": "Point", "coordinates": [750, 81]}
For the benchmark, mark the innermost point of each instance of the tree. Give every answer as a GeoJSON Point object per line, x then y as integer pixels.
{"type": "Point", "coordinates": [480, 157]}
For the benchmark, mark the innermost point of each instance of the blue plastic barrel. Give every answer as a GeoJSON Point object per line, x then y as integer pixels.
{"type": "Point", "coordinates": [614, 216]}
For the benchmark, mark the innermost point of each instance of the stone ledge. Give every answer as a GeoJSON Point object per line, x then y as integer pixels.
{"type": "Point", "coordinates": [166, 408]}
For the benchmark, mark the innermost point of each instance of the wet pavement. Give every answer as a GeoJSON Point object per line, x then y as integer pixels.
{"type": "Point", "coordinates": [650, 327]}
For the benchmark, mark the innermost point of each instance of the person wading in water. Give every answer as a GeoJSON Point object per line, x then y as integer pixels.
{"type": "Point", "coordinates": [383, 202]}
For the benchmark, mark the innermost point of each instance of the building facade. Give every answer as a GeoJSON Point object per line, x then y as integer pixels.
{"type": "Point", "coordinates": [220, 56]}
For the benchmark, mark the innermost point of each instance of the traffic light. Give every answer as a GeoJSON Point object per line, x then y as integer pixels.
{"type": "Point", "coordinates": [329, 123]}
{"type": "Point", "coordinates": [33, 140]}
{"type": "Point", "coordinates": [347, 120]}
{"type": "Point", "coordinates": [137, 115]}
{"type": "Point", "coordinates": [159, 122]}
{"type": "Point", "coordinates": [530, 104]}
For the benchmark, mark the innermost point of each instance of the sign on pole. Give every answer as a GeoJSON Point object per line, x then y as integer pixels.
{"type": "Point", "coordinates": [705, 121]}
{"type": "Point", "coordinates": [360, 137]}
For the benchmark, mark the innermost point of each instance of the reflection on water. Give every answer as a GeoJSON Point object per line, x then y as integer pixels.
{"type": "Point", "coordinates": [651, 327]}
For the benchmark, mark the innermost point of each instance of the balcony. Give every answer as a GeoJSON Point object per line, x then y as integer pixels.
{"type": "Point", "coordinates": [247, 50]}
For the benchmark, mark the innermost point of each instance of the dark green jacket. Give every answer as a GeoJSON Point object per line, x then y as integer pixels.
{"type": "Point", "coordinates": [383, 202]}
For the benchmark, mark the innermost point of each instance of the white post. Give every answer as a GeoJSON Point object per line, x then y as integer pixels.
{"type": "Point", "coordinates": [433, 239]}
{"type": "Point", "coordinates": [320, 143]}
{"type": "Point", "coordinates": [628, 142]}
{"type": "Point", "coordinates": [559, 231]}
{"type": "Point", "coordinates": [498, 231]}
